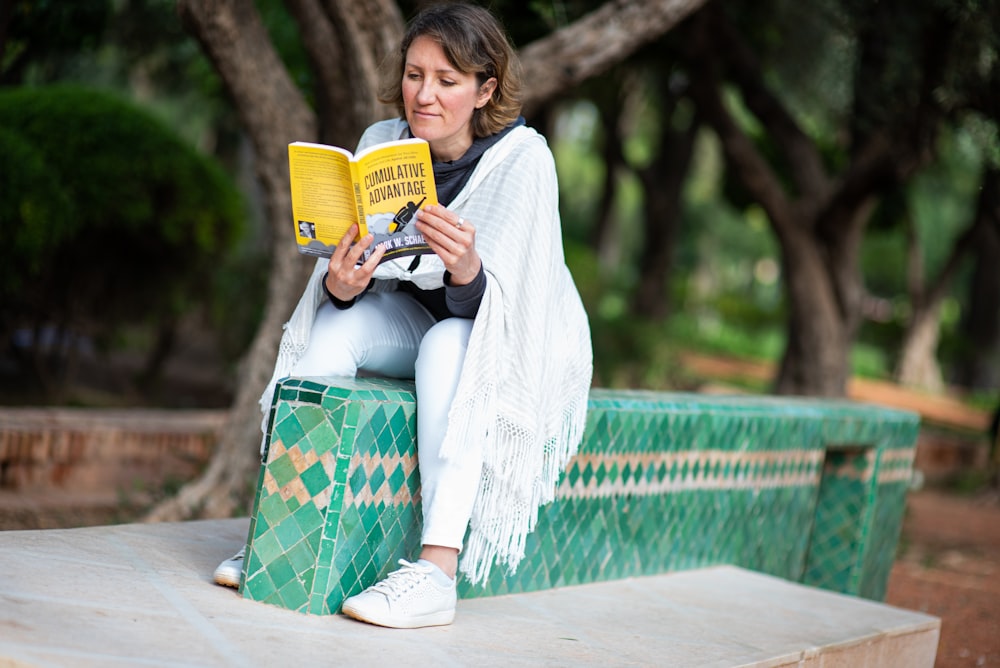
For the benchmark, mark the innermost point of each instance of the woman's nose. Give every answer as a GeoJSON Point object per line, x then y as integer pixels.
{"type": "Point", "coordinates": [426, 93]}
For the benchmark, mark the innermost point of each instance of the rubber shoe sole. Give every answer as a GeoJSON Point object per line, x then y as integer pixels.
{"type": "Point", "coordinates": [443, 618]}
{"type": "Point", "coordinates": [230, 571]}
{"type": "Point", "coordinates": [227, 579]}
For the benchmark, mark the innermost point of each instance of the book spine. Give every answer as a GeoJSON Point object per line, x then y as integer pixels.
{"type": "Point", "coordinates": [359, 200]}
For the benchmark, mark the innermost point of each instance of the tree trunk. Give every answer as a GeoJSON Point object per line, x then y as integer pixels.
{"type": "Point", "coordinates": [605, 238]}
{"type": "Point", "coordinates": [274, 113]}
{"type": "Point", "coordinates": [918, 366]}
{"type": "Point", "coordinates": [981, 324]}
{"type": "Point", "coordinates": [151, 373]}
{"type": "Point", "coordinates": [346, 43]}
{"type": "Point", "coordinates": [815, 360]}
{"type": "Point", "coordinates": [663, 182]}
{"type": "Point", "coordinates": [820, 275]}
{"type": "Point", "coordinates": [980, 367]}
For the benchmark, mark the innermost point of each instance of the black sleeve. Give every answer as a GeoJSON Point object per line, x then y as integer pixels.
{"type": "Point", "coordinates": [340, 304]}
{"type": "Point", "coordinates": [463, 300]}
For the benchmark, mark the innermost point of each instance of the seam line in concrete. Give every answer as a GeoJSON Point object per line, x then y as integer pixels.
{"type": "Point", "coordinates": [188, 612]}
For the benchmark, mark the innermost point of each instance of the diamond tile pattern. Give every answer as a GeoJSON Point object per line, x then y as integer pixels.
{"type": "Point", "coordinates": [845, 495]}
{"type": "Point", "coordinates": [807, 490]}
{"type": "Point", "coordinates": [339, 493]}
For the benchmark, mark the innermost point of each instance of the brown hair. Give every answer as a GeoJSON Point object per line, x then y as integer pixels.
{"type": "Point", "coordinates": [474, 42]}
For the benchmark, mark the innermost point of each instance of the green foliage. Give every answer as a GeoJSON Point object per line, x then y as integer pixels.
{"type": "Point", "coordinates": [49, 36]}
{"type": "Point", "coordinates": [35, 214]}
{"type": "Point", "coordinates": [136, 46]}
{"type": "Point", "coordinates": [871, 361]}
{"type": "Point", "coordinates": [146, 43]}
{"type": "Point", "coordinates": [581, 171]}
{"type": "Point", "coordinates": [117, 220]}
{"type": "Point", "coordinates": [582, 263]}
{"type": "Point", "coordinates": [284, 34]}
{"type": "Point", "coordinates": [236, 305]}
{"type": "Point", "coordinates": [528, 21]}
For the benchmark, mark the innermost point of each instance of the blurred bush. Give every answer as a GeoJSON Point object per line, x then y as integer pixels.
{"type": "Point", "coordinates": [108, 219]}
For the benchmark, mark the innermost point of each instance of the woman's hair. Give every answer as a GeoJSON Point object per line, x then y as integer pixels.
{"type": "Point", "coordinates": [474, 42]}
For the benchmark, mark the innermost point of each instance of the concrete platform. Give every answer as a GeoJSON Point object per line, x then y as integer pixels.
{"type": "Point", "coordinates": [141, 595]}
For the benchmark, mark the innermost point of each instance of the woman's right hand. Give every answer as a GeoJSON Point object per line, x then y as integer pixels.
{"type": "Point", "coordinates": [345, 278]}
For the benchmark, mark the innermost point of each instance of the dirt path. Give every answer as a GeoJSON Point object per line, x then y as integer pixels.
{"type": "Point", "coordinates": [949, 567]}
{"type": "Point", "coordinates": [934, 409]}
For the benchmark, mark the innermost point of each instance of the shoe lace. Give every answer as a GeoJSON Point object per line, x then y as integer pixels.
{"type": "Point", "coordinates": [403, 580]}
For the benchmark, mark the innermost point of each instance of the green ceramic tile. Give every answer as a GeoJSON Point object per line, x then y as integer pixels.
{"type": "Point", "coordinates": [281, 571]}
{"type": "Point", "coordinates": [260, 588]}
{"type": "Point", "coordinates": [272, 509]}
{"type": "Point", "coordinates": [266, 548]}
{"type": "Point", "coordinates": [309, 519]}
{"type": "Point", "coordinates": [288, 533]}
{"type": "Point", "coordinates": [294, 596]}
{"type": "Point", "coordinates": [301, 557]}
{"type": "Point", "coordinates": [309, 397]}
{"type": "Point", "coordinates": [663, 482]}
{"type": "Point", "coordinates": [315, 479]}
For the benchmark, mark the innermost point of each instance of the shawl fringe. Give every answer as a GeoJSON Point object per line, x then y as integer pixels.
{"type": "Point", "coordinates": [514, 486]}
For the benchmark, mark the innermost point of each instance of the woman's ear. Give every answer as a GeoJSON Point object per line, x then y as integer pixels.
{"type": "Point", "coordinates": [486, 92]}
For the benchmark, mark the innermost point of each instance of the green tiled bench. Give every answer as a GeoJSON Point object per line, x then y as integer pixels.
{"type": "Point", "coordinates": [808, 490]}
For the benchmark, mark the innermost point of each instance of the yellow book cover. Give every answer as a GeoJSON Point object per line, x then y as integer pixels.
{"type": "Point", "coordinates": [380, 189]}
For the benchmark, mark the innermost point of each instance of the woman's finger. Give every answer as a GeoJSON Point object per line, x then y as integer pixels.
{"type": "Point", "coordinates": [345, 243]}
{"type": "Point", "coordinates": [442, 227]}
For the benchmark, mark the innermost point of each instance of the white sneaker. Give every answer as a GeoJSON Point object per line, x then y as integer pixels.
{"type": "Point", "coordinates": [230, 571]}
{"type": "Point", "coordinates": [406, 599]}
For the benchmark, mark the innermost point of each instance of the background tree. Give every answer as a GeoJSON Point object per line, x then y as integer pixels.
{"type": "Point", "coordinates": [918, 364]}
{"type": "Point", "coordinates": [979, 361]}
{"type": "Point", "coordinates": [819, 208]}
{"type": "Point", "coordinates": [663, 177]}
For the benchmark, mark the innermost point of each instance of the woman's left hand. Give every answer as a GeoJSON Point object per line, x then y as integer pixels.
{"type": "Point", "coordinates": [453, 239]}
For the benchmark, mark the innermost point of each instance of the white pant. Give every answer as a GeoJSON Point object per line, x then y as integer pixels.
{"type": "Point", "coordinates": [391, 334]}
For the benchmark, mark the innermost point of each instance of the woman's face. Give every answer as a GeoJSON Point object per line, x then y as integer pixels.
{"type": "Point", "coordinates": [439, 100]}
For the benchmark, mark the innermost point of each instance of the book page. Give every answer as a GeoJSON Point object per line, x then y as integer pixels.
{"type": "Point", "coordinates": [323, 201]}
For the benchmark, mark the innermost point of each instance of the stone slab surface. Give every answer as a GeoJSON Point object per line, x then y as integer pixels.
{"type": "Point", "coordinates": [141, 595]}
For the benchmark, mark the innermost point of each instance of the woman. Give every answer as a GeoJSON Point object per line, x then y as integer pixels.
{"type": "Point", "coordinates": [490, 327]}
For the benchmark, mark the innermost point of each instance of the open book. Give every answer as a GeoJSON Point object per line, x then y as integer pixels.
{"type": "Point", "coordinates": [380, 189]}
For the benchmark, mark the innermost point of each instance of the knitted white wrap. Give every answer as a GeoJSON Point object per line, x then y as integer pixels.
{"type": "Point", "coordinates": [526, 376]}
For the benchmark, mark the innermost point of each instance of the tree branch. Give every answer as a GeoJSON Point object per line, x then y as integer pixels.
{"type": "Point", "coordinates": [743, 68]}
{"type": "Point", "coordinates": [741, 153]}
{"type": "Point", "coordinates": [871, 171]}
{"type": "Point", "coordinates": [593, 43]}
{"type": "Point", "coordinates": [265, 97]}
{"type": "Point", "coordinates": [987, 214]}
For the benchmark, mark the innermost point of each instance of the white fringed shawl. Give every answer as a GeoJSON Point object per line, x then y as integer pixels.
{"type": "Point", "coordinates": [527, 371]}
